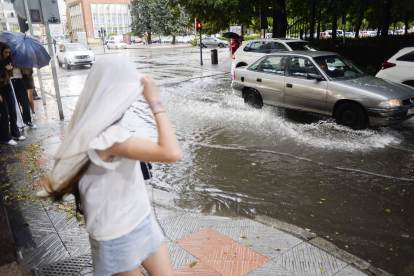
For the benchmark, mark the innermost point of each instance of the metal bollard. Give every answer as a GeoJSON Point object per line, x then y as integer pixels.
{"type": "Point", "coordinates": [214, 58]}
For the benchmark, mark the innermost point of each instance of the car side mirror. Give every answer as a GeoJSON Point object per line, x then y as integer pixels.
{"type": "Point", "coordinates": [311, 76]}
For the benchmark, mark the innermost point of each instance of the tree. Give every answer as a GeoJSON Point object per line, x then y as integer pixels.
{"type": "Point", "coordinates": [168, 20]}
{"type": "Point", "coordinates": [141, 17]}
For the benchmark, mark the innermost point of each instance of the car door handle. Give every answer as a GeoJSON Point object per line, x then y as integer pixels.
{"type": "Point", "coordinates": [259, 80]}
{"type": "Point", "coordinates": [289, 85]}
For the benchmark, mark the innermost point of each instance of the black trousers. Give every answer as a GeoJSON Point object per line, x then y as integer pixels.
{"type": "Point", "coordinates": [22, 98]}
{"type": "Point", "coordinates": [8, 107]}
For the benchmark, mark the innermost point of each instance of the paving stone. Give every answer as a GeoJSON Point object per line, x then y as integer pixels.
{"type": "Point", "coordinates": [180, 226]}
{"type": "Point", "coordinates": [270, 269]}
{"type": "Point", "coordinates": [179, 256]}
{"type": "Point", "coordinates": [307, 260]}
{"type": "Point", "coordinates": [270, 242]}
{"type": "Point", "coordinates": [76, 241]}
{"type": "Point", "coordinates": [211, 221]}
{"type": "Point", "coordinates": [60, 219]}
{"type": "Point", "coordinates": [350, 271]}
{"type": "Point", "coordinates": [238, 227]}
{"type": "Point", "coordinates": [234, 259]}
{"type": "Point", "coordinates": [163, 214]}
{"type": "Point", "coordinates": [49, 249]}
{"type": "Point", "coordinates": [199, 269]}
{"type": "Point", "coordinates": [204, 242]}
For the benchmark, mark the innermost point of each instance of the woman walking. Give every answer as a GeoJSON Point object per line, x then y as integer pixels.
{"type": "Point", "coordinates": [98, 163]}
{"type": "Point", "coordinates": [29, 83]}
{"type": "Point", "coordinates": [21, 95]}
{"type": "Point", "coordinates": [7, 100]}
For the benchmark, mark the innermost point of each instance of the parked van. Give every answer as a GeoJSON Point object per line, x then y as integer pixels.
{"type": "Point", "coordinates": [116, 38]}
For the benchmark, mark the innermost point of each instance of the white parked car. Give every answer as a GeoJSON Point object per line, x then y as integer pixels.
{"type": "Point", "coordinates": [112, 44]}
{"type": "Point", "coordinates": [74, 54]}
{"type": "Point", "coordinates": [251, 50]}
{"type": "Point", "coordinates": [400, 67]}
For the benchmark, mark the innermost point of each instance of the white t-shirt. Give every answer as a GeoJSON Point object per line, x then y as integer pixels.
{"type": "Point", "coordinates": [113, 194]}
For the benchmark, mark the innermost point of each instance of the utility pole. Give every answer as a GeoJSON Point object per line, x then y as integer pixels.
{"type": "Point", "coordinates": [39, 74]}
{"type": "Point", "coordinates": [199, 27]}
{"type": "Point", "coordinates": [51, 53]}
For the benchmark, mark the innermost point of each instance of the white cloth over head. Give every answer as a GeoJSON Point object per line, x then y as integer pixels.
{"type": "Point", "coordinates": [112, 85]}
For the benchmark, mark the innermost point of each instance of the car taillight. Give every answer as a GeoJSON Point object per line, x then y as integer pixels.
{"type": "Point", "coordinates": [387, 65]}
{"type": "Point", "coordinates": [234, 75]}
{"type": "Point", "coordinates": [233, 57]}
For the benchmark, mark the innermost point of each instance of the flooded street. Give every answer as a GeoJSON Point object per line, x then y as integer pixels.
{"type": "Point", "coordinates": [353, 188]}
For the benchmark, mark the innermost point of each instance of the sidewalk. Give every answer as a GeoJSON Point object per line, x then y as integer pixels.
{"type": "Point", "coordinates": [53, 241]}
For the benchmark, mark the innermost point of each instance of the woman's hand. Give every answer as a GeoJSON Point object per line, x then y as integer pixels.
{"type": "Point", "coordinates": [1, 99]}
{"type": "Point", "coordinates": [151, 91]}
{"type": "Point", "coordinates": [9, 67]}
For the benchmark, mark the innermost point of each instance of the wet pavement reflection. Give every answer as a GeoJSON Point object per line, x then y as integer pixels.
{"type": "Point", "coordinates": [353, 188]}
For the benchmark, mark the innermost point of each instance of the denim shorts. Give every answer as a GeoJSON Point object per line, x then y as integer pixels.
{"type": "Point", "coordinates": [127, 252]}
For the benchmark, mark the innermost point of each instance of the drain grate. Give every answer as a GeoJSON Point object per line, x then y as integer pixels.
{"type": "Point", "coordinates": [66, 267]}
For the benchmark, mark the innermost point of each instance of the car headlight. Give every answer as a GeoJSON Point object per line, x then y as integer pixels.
{"type": "Point", "coordinates": [391, 103]}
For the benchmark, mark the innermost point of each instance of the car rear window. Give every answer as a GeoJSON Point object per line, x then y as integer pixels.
{"type": "Point", "coordinates": [300, 46]}
{"type": "Point", "coordinates": [407, 57]}
{"type": "Point", "coordinates": [257, 47]}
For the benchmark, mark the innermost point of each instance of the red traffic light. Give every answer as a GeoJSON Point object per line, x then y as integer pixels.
{"type": "Point", "coordinates": [198, 25]}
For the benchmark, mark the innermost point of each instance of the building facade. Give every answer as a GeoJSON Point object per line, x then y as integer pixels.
{"type": "Point", "coordinates": [91, 16]}
{"type": "Point", "coordinates": [8, 16]}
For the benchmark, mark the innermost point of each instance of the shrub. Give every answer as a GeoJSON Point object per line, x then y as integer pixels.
{"type": "Point", "coordinates": [194, 41]}
{"type": "Point", "coordinates": [367, 53]}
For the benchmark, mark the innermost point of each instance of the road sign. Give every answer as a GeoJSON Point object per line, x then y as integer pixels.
{"type": "Point", "coordinates": [50, 7]}
{"type": "Point", "coordinates": [56, 30]}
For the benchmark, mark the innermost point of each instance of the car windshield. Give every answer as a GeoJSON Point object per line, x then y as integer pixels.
{"type": "Point", "coordinates": [300, 46]}
{"type": "Point", "coordinates": [337, 67]}
{"type": "Point", "coordinates": [76, 47]}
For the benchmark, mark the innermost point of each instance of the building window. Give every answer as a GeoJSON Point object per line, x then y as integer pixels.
{"type": "Point", "coordinates": [102, 19]}
{"type": "Point", "coordinates": [121, 31]}
{"type": "Point", "coordinates": [114, 20]}
{"type": "Point", "coordinates": [95, 19]}
{"type": "Point", "coordinates": [94, 8]}
{"type": "Point", "coordinates": [14, 26]}
{"type": "Point", "coordinates": [112, 8]}
{"type": "Point", "coordinates": [109, 31]}
{"type": "Point", "coordinates": [119, 20]}
{"type": "Point", "coordinates": [118, 8]}
{"type": "Point", "coordinates": [125, 8]}
{"type": "Point", "coordinates": [106, 8]}
{"type": "Point", "coordinates": [100, 8]}
{"type": "Point", "coordinates": [126, 20]}
{"type": "Point", "coordinates": [108, 19]}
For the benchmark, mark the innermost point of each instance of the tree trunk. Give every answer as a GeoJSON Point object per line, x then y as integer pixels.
{"type": "Point", "coordinates": [386, 21]}
{"type": "Point", "coordinates": [280, 20]}
{"type": "Point", "coordinates": [319, 25]}
{"type": "Point", "coordinates": [312, 23]}
{"type": "Point", "coordinates": [149, 38]}
{"type": "Point", "coordinates": [173, 40]}
{"type": "Point", "coordinates": [334, 24]}
{"type": "Point", "coordinates": [358, 25]}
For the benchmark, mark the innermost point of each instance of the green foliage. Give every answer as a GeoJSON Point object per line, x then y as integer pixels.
{"type": "Point", "coordinates": [367, 53]}
{"type": "Point", "coordinates": [111, 34]}
{"type": "Point", "coordinates": [194, 41]}
{"type": "Point", "coordinates": [250, 37]}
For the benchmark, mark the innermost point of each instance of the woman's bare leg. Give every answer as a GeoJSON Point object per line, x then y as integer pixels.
{"type": "Point", "coordinates": [159, 263]}
{"type": "Point", "coordinates": [30, 94]}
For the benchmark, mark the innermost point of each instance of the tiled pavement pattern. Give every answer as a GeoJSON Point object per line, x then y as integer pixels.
{"type": "Point", "coordinates": [215, 246]}
{"type": "Point", "coordinates": [52, 244]}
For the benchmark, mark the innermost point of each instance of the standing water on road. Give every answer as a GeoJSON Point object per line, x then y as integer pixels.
{"type": "Point", "coordinates": [350, 187]}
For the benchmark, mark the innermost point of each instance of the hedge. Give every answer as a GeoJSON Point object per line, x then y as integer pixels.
{"type": "Point", "coordinates": [367, 53]}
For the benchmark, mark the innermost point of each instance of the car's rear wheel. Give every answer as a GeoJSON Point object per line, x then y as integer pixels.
{"type": "Point", "coordinates": [68, 66]}
{"type": "Point", "coordinates": [202, 45]}
{"type": "Point", "coordinates": [253, 98]}
{"type": "Point", "coordinates": [351, 115]}
{"type": "Point", "coordinates": [108, 47]}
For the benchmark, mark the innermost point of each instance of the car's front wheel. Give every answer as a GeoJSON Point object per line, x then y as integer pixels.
{"type": "Point", "coordinates": [108, 47]}
{"type": "Point", "coordinates": [220, 45]}
{"type": "Point", "coordinates": [253, 98]}
{"type": "Point", "coordinates": [351, 115]}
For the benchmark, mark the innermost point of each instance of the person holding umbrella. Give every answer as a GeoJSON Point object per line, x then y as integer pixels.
{"type": "Point", "coordinates": [7, 100]}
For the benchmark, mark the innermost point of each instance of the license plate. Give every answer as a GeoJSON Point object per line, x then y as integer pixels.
{"type": "Point", "coordinates": [80, 60]}
{"type": "Point", "coordinates": [410, 111]}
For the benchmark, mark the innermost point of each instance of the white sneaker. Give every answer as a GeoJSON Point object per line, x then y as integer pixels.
{"type": "Point", "coordinates": [34, 116]}
{"type": "Point", "coordinates": [21, 138]}
{"type": "Point", "coordinates": [10, 143]}
{"type": "Point", "coordinates": [31, 125]}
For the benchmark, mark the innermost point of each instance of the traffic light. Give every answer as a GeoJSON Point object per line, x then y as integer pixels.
{"type": "Point", "coordinates": [199, 26]}
{"type": "Point", "coordinates": [99, 33]}
{"type": "Point", "coordinates": [105, 33]}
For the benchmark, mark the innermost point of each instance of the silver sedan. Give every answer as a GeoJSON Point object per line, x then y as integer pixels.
{"type": "Point", "coordinates": [324, 83]}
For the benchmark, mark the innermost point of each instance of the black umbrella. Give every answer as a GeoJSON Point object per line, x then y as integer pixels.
{"type": "Point", "coordinates": [231, 35]}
